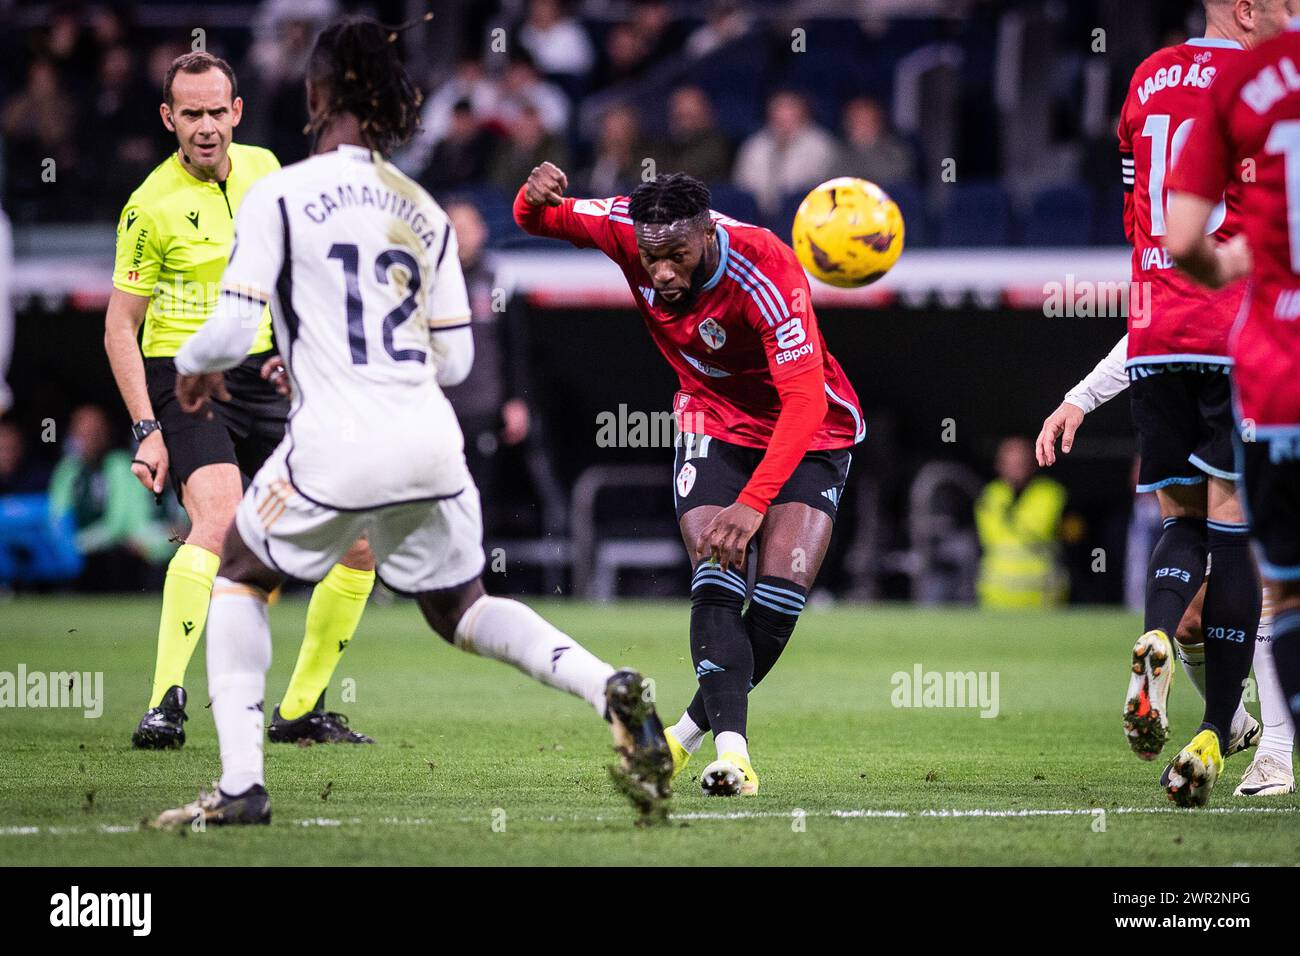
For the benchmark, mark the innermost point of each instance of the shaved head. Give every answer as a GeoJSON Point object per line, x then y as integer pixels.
{"type": "Point", "coordinates": [1249, 22]}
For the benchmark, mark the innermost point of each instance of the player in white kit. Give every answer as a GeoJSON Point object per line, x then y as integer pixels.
{"type": "Point", "coordinates": [360, 267]}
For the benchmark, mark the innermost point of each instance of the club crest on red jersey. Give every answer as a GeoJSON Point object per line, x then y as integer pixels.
{"type": "Point", "coordinates": [714, 335]}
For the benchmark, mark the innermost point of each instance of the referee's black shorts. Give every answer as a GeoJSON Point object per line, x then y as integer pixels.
{"type": "Point", "coordinates": [243, 431]}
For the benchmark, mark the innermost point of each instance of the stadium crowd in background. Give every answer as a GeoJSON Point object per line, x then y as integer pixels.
{"type": "Point", "coordinates": [610, 91]}
{"type": "Point", "coordinates": [606, 87]}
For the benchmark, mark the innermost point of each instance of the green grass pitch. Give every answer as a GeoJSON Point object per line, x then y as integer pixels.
{"type": "Point", "coordinates": [477, 765]}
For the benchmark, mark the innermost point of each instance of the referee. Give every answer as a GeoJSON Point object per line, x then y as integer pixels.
{"type": "Point", "coordinates": [173, 241]}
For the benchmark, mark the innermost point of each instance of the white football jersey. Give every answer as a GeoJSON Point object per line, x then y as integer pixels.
{"type": "Point", "coordinates": [362, 272]}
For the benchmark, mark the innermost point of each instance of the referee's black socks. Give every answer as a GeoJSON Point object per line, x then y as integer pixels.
{"type": "Point", "coordinates": [1230, 620]}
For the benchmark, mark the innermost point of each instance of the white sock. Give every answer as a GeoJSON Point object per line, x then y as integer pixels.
{"type": "Point", "coordinates": [508, 631]}
{"type": "Point", "coordinates": [1279, 736]}
{"type": "Point", "coordinates": [239, 654]}
{"type": "Point", "coordinates": [1192, 657]}
{"type": "Point", "coordinates": [687, 734]}
{"type": "Point", "coordinates": [731, 742]}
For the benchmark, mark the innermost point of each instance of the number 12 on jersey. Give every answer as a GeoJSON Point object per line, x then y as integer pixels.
{"type": "Point", "coordinates": [349, 257]}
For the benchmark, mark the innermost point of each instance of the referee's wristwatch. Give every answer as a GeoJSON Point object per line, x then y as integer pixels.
{"type": "Point", "coordinates": [144, 427]}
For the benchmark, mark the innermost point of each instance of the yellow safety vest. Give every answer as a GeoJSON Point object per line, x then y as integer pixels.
{"type": "Point", "coordinates": [1018, 537]}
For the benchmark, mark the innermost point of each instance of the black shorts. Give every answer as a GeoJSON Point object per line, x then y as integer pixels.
{"type": "Point", "coordinates": [1271, 481]}
{"type": "Point", "coordinates": [707, 471]}
{"type": "Point", "coordinates": [243, 431]}
{"type": "Point", "coordinates": [1182, 414]}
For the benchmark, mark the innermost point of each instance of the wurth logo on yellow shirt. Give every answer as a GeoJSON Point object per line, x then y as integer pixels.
{"type": "Point", "coordinates": [138, 253]}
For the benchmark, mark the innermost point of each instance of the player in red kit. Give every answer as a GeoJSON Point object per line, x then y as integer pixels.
{"type": "Point", "coordinates": [1248, 135]}
{"type": "Point", "coordinates": [1178, 364]}
{"type": "Point", "coordinates": [766, 418]}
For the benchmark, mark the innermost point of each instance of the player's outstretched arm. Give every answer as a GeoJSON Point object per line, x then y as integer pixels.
{"type": "Point", "coordinates": [541, 209]}
{"type": "Point", "coordinates": [1062, 424]}
{"type": "Point", "coordinates": [1104, 382]}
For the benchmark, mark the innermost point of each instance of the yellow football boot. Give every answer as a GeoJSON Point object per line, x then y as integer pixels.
{"type": "Point", "coordinates": [1190, 778]}
{"type": "Point", "coordinates": [731, 775]}
{"type": "Point", "coordinates": [681, 756]}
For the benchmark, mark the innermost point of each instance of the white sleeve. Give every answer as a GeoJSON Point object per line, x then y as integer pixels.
{"type": "Point", "coordinates": [449, 317]}
{"type": "Point", "coordinates": [453, 354]}
{"type": "Point", "coordinates": [448, 302]}
{"type": "Point", "coordinates": [246, 287]}
{"type": "Point", "coordinates": [1104, 382]}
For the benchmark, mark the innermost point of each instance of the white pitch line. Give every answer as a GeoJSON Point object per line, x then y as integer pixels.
{"type": "Point", "coordinates": [863, 814]}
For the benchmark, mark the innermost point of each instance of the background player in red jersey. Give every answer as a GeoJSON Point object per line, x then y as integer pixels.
{"type": "Point", "coordinates": [766, 418]}
{"type": "Point", "coordinates": [1178, 365]}
{"type": "Point", "coordinates": [1248, 133]}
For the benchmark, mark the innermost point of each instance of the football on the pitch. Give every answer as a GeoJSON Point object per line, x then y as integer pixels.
{"type": "Point", "coordinates": [848, 232]}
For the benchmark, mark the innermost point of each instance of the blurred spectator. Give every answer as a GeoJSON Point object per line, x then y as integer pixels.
{"type": "Point", "coordinates": [70, 47]}
{"type": "Point", "coordinates": [115, 531]}
{"type": "Point", "coordinates": [19, 475]}
{"type": "Point", "coordinates": [490, 403]}
{"type": "Point", "coordinates": [38, 124]}
{"type": "Point", "coordinates": [617, 165]}
{"type": "Point", "coordinates": [469, 83]}
{"type": "Point", "coordinates": [662, 34]}
{"type": "Point", "coordinates": [521, 87]}
{"type": "Point", "coordinates": [461, 157]}
{"type": "Point", "coordinates": [871, 151]}
{"type": "Point", "coordinates": [124, 128]}
{"type": "Point", "coordinates": [694, 145]}
{"type": "Point", "coordinates": [111, 24]}
{"type": "Point", "coordinates": [558, 43]}
{"type": "Point", "coordinates": [1018, 517]}
{"type": "Point", "coordinates": [526, 146]}
{"type": "Point", "coordinates": [285, 32]}
{"type": "Point", "coordinates": [727, 20]}
{"type": "Point", "coordinates": [624, 56]}
{"type": "Point", "coordinates": [787, 155]}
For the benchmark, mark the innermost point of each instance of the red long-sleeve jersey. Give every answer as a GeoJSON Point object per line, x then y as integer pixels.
{"type": "Point", "coordinates": [1252, 121]}
{"type": "Point", "coordinates": [753, 367]}
{"type": "Point", "coordinates": [1179, 321]}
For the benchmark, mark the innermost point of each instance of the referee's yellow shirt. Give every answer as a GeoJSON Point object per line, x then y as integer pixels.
{"type": "Point", "coordinates": [173, 241]}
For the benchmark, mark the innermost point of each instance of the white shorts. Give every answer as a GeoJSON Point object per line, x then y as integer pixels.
{"type": "Point", "coordinates": [423, 546]}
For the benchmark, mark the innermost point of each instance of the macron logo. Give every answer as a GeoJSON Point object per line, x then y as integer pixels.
{"type": "Point", "coordinates": [74, 909]}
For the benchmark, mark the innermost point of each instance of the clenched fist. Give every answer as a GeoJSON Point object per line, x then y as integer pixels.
{"type": "Point", "coordinates": [546, 185]}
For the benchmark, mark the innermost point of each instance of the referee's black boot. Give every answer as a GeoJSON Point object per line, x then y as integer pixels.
{"type": "Point", "coordinates": [163, 727]}
{"type": "Point", "coordinates": [317, 726]}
